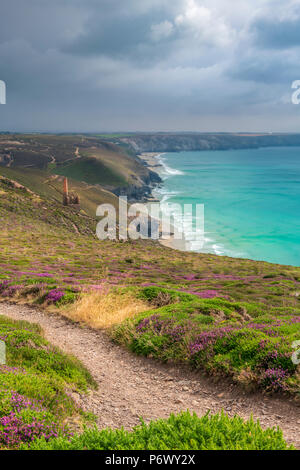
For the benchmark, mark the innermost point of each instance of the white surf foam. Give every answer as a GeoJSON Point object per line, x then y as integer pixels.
{"type": "Point", "coordinates": [167, 171]}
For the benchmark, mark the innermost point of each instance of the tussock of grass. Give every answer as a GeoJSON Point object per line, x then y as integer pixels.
{"type": "Point", "coordinates": [103, 310]}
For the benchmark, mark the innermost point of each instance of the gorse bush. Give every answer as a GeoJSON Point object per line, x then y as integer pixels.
{"type": "Point", "coordinates": [38, 386]}
{"type": "Point", "coordinates": [183, 432]}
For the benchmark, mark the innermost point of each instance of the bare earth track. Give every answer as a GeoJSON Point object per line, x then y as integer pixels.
{"type": "Point", "coordinates": [131, 387]}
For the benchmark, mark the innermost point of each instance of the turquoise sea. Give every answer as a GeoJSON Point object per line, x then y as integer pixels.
{"type": "Point", "coordinates": [251, 199]}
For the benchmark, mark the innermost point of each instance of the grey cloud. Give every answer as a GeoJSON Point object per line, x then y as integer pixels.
{"type": "Point", "coordinates": [124, 34]}
{"type": "Point", "coordinates": [266, 67]}
{"type": "Point", "coordinates": [279, 32]}
{"type": "Point", "coordinates": [92, 65]}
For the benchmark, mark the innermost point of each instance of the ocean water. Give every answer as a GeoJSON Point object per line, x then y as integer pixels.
{"type": "Point", "coordinates": [251, 200]}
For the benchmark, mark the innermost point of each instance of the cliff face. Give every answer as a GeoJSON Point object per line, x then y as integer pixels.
{"type": "Point", "coordinates": [178, 142]}
{"type": "Point", "coordinates": [142, 191]}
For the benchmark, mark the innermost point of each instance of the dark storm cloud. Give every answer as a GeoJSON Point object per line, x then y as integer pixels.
{"type": "Point", "coordinates": [95, 65]}
{"type": "Point", "coordinates": [279, 31]}
{"type": "Point", "coordinates": [268, 67]}
{"type": "Point", "coordinates": [117, 34]}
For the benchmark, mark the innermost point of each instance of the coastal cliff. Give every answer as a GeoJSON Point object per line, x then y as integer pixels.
{"type": "Point", "coordinates": [141, 191]}
{"type": "Point", "coordinates": [173, 142]}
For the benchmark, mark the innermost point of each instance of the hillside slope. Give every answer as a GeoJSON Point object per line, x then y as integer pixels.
{"type": "Point", "coordinates": [49, 187]}
{"type": "Point", "coordinates": [130, 387]}
{"type": "Point", "coordinates": [83, 158]}
{"type": "Point", "coordinates": [223, 315]}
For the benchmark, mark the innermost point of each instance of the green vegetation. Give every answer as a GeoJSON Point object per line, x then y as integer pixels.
{"type": "Point", "coordinates": [218, 336]}
{"type": "Point", "coordinates": [49, 188]}
{"type": "Point", "coordinates": [36, 386]}
{"type": "Point", "coordinates": [182, 432]}
{"type": "Point", "coordinates": [37, 160]}
{"type": "Point", "coordinates": [91, 171]}
{"type": "Point", "coordinates": [36, 404]}
{"type": "Point", "coordinates": [227, 316]}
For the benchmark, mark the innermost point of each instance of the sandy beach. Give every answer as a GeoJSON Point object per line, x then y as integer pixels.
{"type": "Point", "coordinates": [150, 158]}
{"type": "Point", "coordinates": [152, 162]}
{"type": "Point", "coordinates": [174, 244]}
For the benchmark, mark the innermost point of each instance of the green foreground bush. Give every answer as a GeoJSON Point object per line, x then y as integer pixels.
{"type": "Point", "coordinates": [183, 432]}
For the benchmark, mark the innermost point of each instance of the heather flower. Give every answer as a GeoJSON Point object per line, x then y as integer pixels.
{"type": "Point", "coordinates": [54, 295]}
{"type": "Point", "coordinates": [17, 426]}
{"type": "Point", "coordinates": [10, 291]}
{"type": "Point", "coordinates": [207, 294]}
{"type": "Point", "coordinates": [208, 338]}
{"type": "Point", "coordinates": [160, 326]}
{"type": "Point", "coordinates": [3, 285]}
{"type": "Point", "coordinates": [274, 379]}
{"type": "Point", "coordinates": [14, 431]}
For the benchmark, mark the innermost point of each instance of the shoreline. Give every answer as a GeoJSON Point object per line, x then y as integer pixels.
{"type": "Point", "coordinates": [150, 159]}
{"type": "Point", "coordinates": [211, 246]}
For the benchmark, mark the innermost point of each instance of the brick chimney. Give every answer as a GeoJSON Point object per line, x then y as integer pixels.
{"type": "Point", "coordinates": [65, 192]}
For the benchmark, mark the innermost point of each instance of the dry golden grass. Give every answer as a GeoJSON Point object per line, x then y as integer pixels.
{"type": "Point", "coordinates": [106, 309]}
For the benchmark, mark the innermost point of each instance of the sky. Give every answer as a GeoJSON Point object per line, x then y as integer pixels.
{"type": "Point", "coordinates": [149, 65]}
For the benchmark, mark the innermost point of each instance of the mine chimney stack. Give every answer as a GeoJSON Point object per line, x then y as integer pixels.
{"type": "Point", "coordinates": [65, 192]}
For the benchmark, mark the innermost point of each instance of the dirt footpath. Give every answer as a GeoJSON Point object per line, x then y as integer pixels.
{"type": "Point", "coordinates": [132, 386]}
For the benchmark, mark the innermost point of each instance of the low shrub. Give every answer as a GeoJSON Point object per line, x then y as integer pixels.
{"type": "Point", "coordinates": [159, 296]}
{"type": "Point", "coordinates": [28, 349]}
{"type": "Point", "coordinates": [23, 420]}
{"type": "Point", "coordinates": [183, 432]}
{"type": "Point", "coordinates": [36, 386]}
{"type": "Point", "coordinates": [216, 335]}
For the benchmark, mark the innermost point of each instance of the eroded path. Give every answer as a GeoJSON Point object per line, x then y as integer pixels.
{"type": "Point", "coordinates": [131, 386]}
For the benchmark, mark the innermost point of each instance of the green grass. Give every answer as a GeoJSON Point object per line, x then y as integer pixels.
{"type": "Point", "coordinates": [91, 171]}
{"type": "Point", "coordinates": [89, 159]}
{"type": "Point", "coordinates": [45, 246]}
{"type": "Point", "coordinates": [49, 188]}
{"type": "Point", "coordinates": [29, 350]}
{"type": "Point", "coordinates": [35, 402]}
{"type": "Point", "coordinates": [218, 336]}
{"type": "Point", "coordinates": [36, 385]}
{"type": "Point", "coordinates": [182, 432]}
